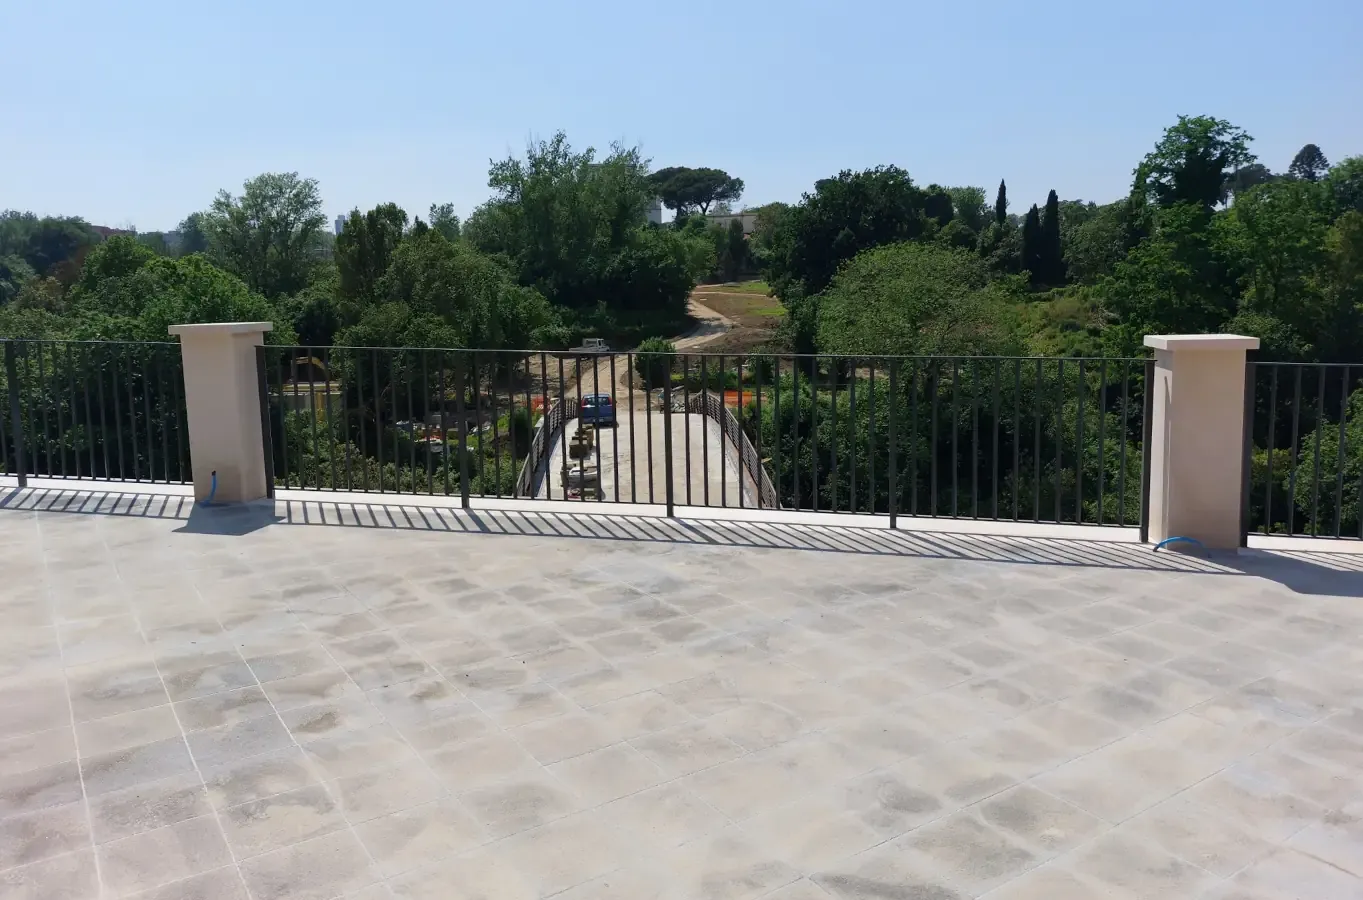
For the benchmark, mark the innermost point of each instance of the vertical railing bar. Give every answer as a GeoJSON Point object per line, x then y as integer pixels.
{"type": "Point", "coordinates": [913, 438]}
{"type": "Point", "coordinates": [705, 431]}
{"type": "Point", "coordinates": [633, 469]}
{"type": "Point", "coordinates": [1079, 446]}
{"type": "Point", "coordinates": [1126, 430]}
{"type": "Point", "coordinates": [994, 480]}
{"type": "Point", "coordinates": [1247, 452]}
{"type": "Point", "coordinates": [975, 438]}
{"type": "Point", "coordinates": [1036, 444]}
{"type": "Point", "coordinates": [378, 418]}
{"type": "Point", "coordinates": [103, 420]}
{"type": "Point", "coordinates": [648, 437]}
{"type": "Point", "coordinates": [795, 427]}
{"type": "Point", "coordinates": [331, 422]}
{"type": "Point", "coordinates": [443, 387]}
{"type": "Point", "coordinates": [757, 428]}
{"type": "Point", "coordinates": [723, 455]}
{"type": "Point", "coordinates": [549, 427]}
{"type": "Point", "coordinates": [955, 437]}
{"type": "Point", "coordinates": [312, 415]}
{"type": "Point", "coordinates": [686, 420]}
{"type": "Point", "coordinates": [1315, 466]}
{"type": "Point", "coordinates": [266, 439]}
{"type": "Point", "coordinates": [738, 438]}
{"type": "Point", "coordinates": [581, 460]}
{"type": "Point", "coordinates": [44, 392]}
{"type": "Point", "coordinates": [852, 440]}
{"type": "Point", "coordinates": [181, 414]}
{"type": "Point", "coordinates": [893, 461]}
{"type": "Point", "coordinates": [563, 430]}
{"type": "Point", "coordinates": [833, 437]}
{"type": "Point", "coordinates": [118, 414]}
{"type": "Point", "coordinates": [496, 430]}
{"type": "Point", "coordinates": [1272, 440]}
{"type": "Point", "coordinates": [462, 421]}
{"type": "Point", "coordinates": [1059, 433]}
{"type": "Point", "coordinates": [932, 447]}
{"type": "Point", "coordinates": [596, 444]}
{"type": "Point", "coordinates": [669, 489]}
{"type": "Point", "coordinates": [146, 415]}
{"type": "Point", "coordinates": [132, 418]}
{"type": "Point", "coordinates": [425, 432]}
{"type": "Point", "coordinates": [1147, 431]}
{"type": "Point", "coordinates": [161, 417]}
{"type": "Point", "coordinates": [1102, 435]}
{"type": "Point", "coordinates": [16, 419]}
{"type": "Point", "coordinates": [529, 418]}
{"type": "Point", "coordinates": [1295, 450]}
{"type": "Point", "coordinates": [412, 428]}
{"type": "Point", "coordinates": [615, 434]}
{"type": "Point", "coordinates": [1343, 439]}
{"type": "Point", "coordinates": [1017, 436]}
{"type": "Point", "coordinates": [75, 414]}
{"type": "Point", "coordinates": [814, 432]}
{"type": "Point", "coordinates": [871, 436]}
{"type": "Point", "coordinates": [361, 424]}
{"type": "Point", "coordinates": [776, 423]}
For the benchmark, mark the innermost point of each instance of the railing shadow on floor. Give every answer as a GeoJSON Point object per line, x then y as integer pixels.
{"type": "Point", "coordinates": [853, 540]}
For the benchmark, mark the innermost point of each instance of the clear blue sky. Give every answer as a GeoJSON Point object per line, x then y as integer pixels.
{"type": "Point", "coordinates": [137, 113]}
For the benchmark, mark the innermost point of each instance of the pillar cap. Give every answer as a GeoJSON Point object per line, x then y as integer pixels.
{"type": "Point", "coordinates": [214, 328]}
{"type": "Point", "coordinates": [1201, 342]}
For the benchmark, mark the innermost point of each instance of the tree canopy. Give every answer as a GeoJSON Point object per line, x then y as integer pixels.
{"type": "Point", "coordinates": [688, 190]}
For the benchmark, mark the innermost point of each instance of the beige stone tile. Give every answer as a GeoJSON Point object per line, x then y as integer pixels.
{"type": "Point", "coordinates": [1039, 821]}
{"type": "Point", "coordinates": [746, 787]}
{"type": "Point", "coordinates": [147, 806]}
{"type": "Point", "coordinates": [1338, 841]}
{"type": "Point", "coordinates": [319, 869]}
{"type": "Point", "coordinates": [310, 688]}
{"type": "Point", "coordinates": [478, 874]}
{"type": "Point", "coordinates": [36, 789]}
{"type": "Point", "coordinates": [480, 762]}
{"type": "Point", "coordinates": [687, 748]}
{"type": "Point", "coordinates": [290, 663]}
{"type": "Point", "coordinates": [384, 791]}
{"type": "Point", "coordinates": [889, 805]}
{"type": "Point", "coordinates": [562, 854]}
{"type": "Point", "coordinates": [418, 701]}
{"type": "Point", "coordinates": [1055, 883]}
{"type": "Point", "coordinates": [813, 833]}
{"type": "Point", "coordinates": [456, 726]}
{"type": "Point", "coordinates": [35, 836]}
{"type": "Point", "coordinates": [515, 805]}
{"type": "Point", "coordinates": [562, 737]}
{"type": "Point", "coordinates": [108, 689]}
{"type": "Point", "coordinates": [214, 747]}
{"type": "Point", "coordinates": [200, 681]}
{"type": "Point", "coordinates": [636, 882]}
{"type": "Point", "coordinates": [105, 772]}
{"type": "Point", "coordinates": [1257, 799]}
{"type": "Point", "coordinates": [1200, 835]}
{"type": "Point", "coordinates": [757, 725]}
{"type": "Point", "coordinates": [1122, 860]}
{"type": "Point", "coordinates": [607, 774]}
{"type": "Point", "coordinates": [640, 714]}
{"type": "Point", "coordinates": [1288, 873]}
{"type": "Point", "coordinates": [348, 753]}
{"type": "Point", "coordinates": [414, 837]}
{"type": "Point", "coordinates": [954, 773]}
{"type": "Point", "coordinates": [260, 826]}
{"type": "Point", "coordinates": [38, 750]}
{"type": "Point", "coordinates": [226, 708]}
{"type": "Point", "coordinates": [665, 816]}
{"type": "Point", "coordinates": [257, 777]}
{"type": "Point", "coordinates": [125, 730]}
{"type": "Point", "coordinates": [153, 858]}
{"type": "Point", "coordinates": [349, 713]}
{"type": "Point", "coordinates": [220, 884]}
{"type": "Point", "coordinates": [968, 852]}
{"type": "Point", "coordinates": [69, 877]}
{"type": "Point", "coordinates": [727, 864]}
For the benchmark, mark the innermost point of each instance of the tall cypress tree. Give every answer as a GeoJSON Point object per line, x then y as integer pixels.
{"type": "Point", "coordinates": [1001, 204]}
{"type": "Point", "coordinates": [1052, 260]}
{"type": "Point", "coordinates": [1033, 258]}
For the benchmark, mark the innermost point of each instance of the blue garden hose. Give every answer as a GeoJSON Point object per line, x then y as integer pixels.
{"type": "Point", "coordinates": [1173, 540]}
{"type": "Point", "coordinates": [212, 490]}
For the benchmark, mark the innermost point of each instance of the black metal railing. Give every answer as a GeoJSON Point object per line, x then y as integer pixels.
{"type": "Point", "coordinates": [1304, 449]}
{"type": "Point", "coordinates": [1043, 440]}
{"type": "Point", "coordinates": [93, 410]}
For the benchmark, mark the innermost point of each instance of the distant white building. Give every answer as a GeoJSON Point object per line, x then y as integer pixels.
{"type": "Point", "coordinates": [748, 220]}
{"type": "Point", "coordinates": [340, 224]}
{"type": "Point", "coordinates": [655, 212]}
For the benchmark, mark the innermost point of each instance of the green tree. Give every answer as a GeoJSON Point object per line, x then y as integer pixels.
{"type": "Point", "coordinates": [1244, 178]}
{"type": "Point", "coordinates": [968, 205]}
{"type": "Point", "coordinates": [1033, 247]}
{"type": "Point", "coordinates": [271, 234]}
{"type": "Point", "coordinates": [14, 274]}
{"type": "Point", "coordinates": [444, 220]}
{"type": "Point", "coordinates": [937, 205]}
{"type": "Point", "coordinates": [1001, 204]}
{"type": "Point", "coordinates": [193, 237]}
{"type": "Point", "coordinates": [1052, 256]}
{"type": "Point", "coordinates": [732, 251]}
{"type": "Point", "coordinates": [653, 361]}
{"type": "Point", "coordinates": [1094, 239]}
{"type": "Point", "coordinates": [688, 190]}
{"type": "Point", "coordinates": [364, 250]}
{"type": "Point", "coordinates": [918, 299]}
{"type": "Point", "coordinates": [845, 215]}
{"type": "Point", "coordinates": [1192, 162]}
{"type": "Point", "coordinates": [1309, 164]}
{"type": "Point", "coordinates": [1345, 182]}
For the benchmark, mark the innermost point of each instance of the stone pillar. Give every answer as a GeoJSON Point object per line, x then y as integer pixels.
{"type": "Point", "coordinates": [1197, 439]}
{"type": "Point", "coordinates": [222, 394]}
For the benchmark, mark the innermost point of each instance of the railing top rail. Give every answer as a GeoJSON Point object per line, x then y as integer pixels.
{"type": "Point", "coordinates": [691, 353]}
{"type": "Point", "coordinates": [1308, 365]}
{"type": "Point", "coordinates": [73, 341]}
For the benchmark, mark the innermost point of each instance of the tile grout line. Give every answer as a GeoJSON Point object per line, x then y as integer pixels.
{"type": "Point", "coordinates": [75, 736]}
{"type": "Point", "coordinates": [236, 648]}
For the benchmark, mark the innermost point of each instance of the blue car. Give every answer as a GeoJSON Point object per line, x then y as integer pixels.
{"type": "Point", "coordinates": [598, 409]}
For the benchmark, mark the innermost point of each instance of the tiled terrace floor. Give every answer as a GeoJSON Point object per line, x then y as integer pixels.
{"type": "Point", "coordinates": [442, 708]}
